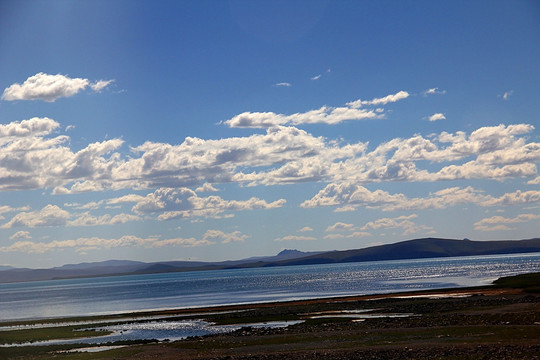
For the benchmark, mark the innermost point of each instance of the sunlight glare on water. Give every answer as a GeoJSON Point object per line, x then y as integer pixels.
{"type": "Point", "coordinates": [93, 296]}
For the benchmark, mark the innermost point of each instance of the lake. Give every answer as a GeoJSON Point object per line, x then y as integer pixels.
{"type": "Point", "coordinates": [107, 295]}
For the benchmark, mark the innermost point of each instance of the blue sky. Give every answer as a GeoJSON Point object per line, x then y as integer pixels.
{"type": "Point", "coordinates": [219, 130]}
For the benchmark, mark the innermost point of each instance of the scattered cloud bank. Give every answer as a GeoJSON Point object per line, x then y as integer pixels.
{"type": "Point", "coordinates": [34, 156]}
{"type": "Point", "coordinates": [86, 244]}
{"type": "Point", "coordinates": [342, 230]}
{"type": "Point", "coordinates": [349, 196]}
{"type": "Point", "coordinates": [295, 238]}
{"type": "Point", "coordinates": [324, 115]}
{"type": "Point", "coordinates": [185, 203]}
{"type": "Point", "coordinates": [499, 223]}
{"type": "Point", "coordinates": [53, 215]}
{"type": "Point", "coordinates": [50, 88]}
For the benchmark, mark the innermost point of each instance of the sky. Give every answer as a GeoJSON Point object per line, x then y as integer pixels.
{"type": "Point", "coordinates": [215, 130]}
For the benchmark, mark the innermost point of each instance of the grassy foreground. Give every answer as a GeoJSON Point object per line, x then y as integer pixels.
{"type": "Point", "coordinates": [495, 322]}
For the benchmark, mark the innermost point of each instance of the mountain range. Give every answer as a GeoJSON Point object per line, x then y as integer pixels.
{"type": "Point", "coordinates": [411, 249]}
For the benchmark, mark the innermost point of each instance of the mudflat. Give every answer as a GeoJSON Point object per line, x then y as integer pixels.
{"type": "Point", "coordinates": [477, 323]}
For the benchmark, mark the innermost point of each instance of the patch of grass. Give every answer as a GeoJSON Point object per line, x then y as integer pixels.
{"type": "Point", "coordinates": [44, 334]}
{"type": "Point", "coordinates": [527, 282]}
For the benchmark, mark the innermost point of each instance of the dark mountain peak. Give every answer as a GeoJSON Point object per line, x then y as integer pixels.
{"type": "Point", "coordinates": [290, 252]}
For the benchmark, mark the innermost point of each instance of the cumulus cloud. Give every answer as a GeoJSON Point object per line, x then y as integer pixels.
{"type": "Point", "coordinates": [32, 156]}
{"type": "Point", "coordinates": [295, 238]}
{"type": "Point", "coordinates": [50, 87]}
{"type": "Point", "coordinates": [324, 115]}
{"type": "Point", "coordinates": [85, 244]}
{"type": "Point", "coordinates": [50, 215]}
{"type": "Point", "coordinates": [185, 203]}
{"type": "Point", "coordinates": [352, 196]}
{"type": "Point", "coordinates": [339, 226]}
{"type": "Point", "coordinates": [380, 101]}
{"type": "Point", "coordinates": [224, 238]}
{"type": "Point", "coordinates": [353, 235]}
{"type": "Point", "coordinates": [100, 85]}
{"type": "Point", "coordinates": [434, 91]}
{"type": "Point", "coordinates": [20, 235]}
{"type": "Point", "coordinates": [8, 209]}
{"type": "Point", "coordinates": [436, 117]}
{"type": "Point", "coordinates": [27, 128]}
{"type": "Point", "coordinates": [305, 229]}
{"type": "Point", "coordinates": [497, 223]}
{"type": "Point", "coordinates": [31, 159]}
{"type": "Point", "coordinates": [87, 219]}
{"type": "Point", "coordinates": [206, 187]}
{"type": "Point", "coordinates": [341, 230]}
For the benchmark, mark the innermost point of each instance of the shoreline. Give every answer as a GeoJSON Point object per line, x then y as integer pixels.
{"type": "Point", "coordinates": [494, 321]}
{"type": "Point", "coordinates": [203, 310]}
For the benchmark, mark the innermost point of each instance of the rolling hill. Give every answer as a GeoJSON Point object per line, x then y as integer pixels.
{"type": "Point", "coordinates": [411, 249]}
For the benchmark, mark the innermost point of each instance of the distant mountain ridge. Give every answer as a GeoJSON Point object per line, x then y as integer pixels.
{"type": "Point", "coordinates": [418, 249]}
{"type": "Point", "coordinates": [410, 249]}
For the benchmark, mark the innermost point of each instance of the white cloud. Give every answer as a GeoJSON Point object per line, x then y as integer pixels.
{"type": "Point", "coordinates": [351, 231]}
{"type": "Point", "coordinates": [324, 115]}
{"type": "Point", "coordinates": [31, 157]}
{"type": "Point", "coordinates": [498, 223]}
{"type": "Point", "coordinates": [353, 235]}
{"type": "Point", "coordinates": [93, 205]}
{"type": "Point", "coordinates": [339, 226]}
{"type": "Point", "coordinates": [50, 87]}
{"type": "Point", "coordinates": [283, 84]}
{"type": "Point", "coordinates": [434, 91]}
{"type": "Point", "coordinates": [437, 116]}
{"type": "Point", "coordinates": [353, 196]}
{"type": "Point", "coordinates": [7, 209]}
{"type": "Point", "coordinates": [399, 222]}
{"type": "Point", "coordinates": [502, 220]}
{"type": "Point", "coordinates": [316, 77]}
{"type": "Point", "coordinates": [86, 219]}
{"type": "Point", "coordinates": [295, 238]}
{"type": "Point", "coordinates": [305, 229]}
{"type": "Point", "coordinates": [206, 187]}
{"type": "Point", "coordinates": [507, 94]}
{"type": "Point", "coordinates": [534, 181]}
{"type": "Point", "coordinates": [20, 235]}
{"type": "Point", "coordinates": [185, 203]}
{"type": "Point", "coordinates": [27, 128]}
{"type": "Point", "coordinates": [95, 243]}
{"type": "Point", "coordinates": [100, 85]}
{"type": "Point", "coordinates": [224, 238]}
{"type": "Point", "coordinates": [515, 198]}
{"type": "Point", "coordinates": [50, 215]}
{"type": "Point", "coordinates": [380, 101]}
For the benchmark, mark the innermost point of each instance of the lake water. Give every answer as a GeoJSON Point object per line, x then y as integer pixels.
{"type": "Point", "coordinates": [106, 295]}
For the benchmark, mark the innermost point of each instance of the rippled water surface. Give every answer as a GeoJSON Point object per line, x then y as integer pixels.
{"type": "Point", "coordinates": [93, 296]}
